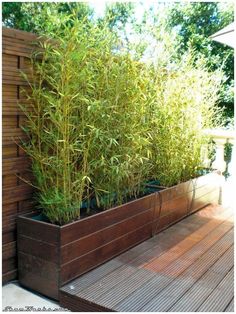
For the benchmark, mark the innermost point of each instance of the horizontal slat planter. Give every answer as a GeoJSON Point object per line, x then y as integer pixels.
{"type": "Point", "coordinates": [50, 256]}
{"type": "Point", "coordinates": [185, 198]}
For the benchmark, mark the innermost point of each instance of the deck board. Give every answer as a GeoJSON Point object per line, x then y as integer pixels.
{"type": "Point", "coordinates": [230, 307]}
{"type": "Point", "coordinates": [186, 268]}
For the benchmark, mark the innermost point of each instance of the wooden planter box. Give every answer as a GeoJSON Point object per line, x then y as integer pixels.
{"type": "Point", "coordinates": [50, 256]}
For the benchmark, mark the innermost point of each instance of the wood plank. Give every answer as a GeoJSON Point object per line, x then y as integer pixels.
{"type": "Point", "coordinates": [9, 181]}
{"type": "Point", "coordinates": [167, 297]}
{"type": "Point", "coordinates": [112, 297]}
{"type": "Point", "coordinates": [175, 204]}
{"type": "Point", "coordinates": [16, 194]}
{"type": "Point", "coordinates": [37, 266]}
{"type": "Point", "coordinates": [41, 249]}
{"type": "Point", "coordinates": [230, 306]}
{"type": "Point", "coordinates": [9, 276]}
{"type": "Point", "coordinates": [9, 265]}
{"type": "Point", "coordinates": [9, 234]}
{"type": "Point", "coordinates": [79, 304]}
{"type": "Point", "coordinates": [101, 237]}
{"type": "Point", "coordinates": [219, 299]}
{"type": "Point", "coordinates": [23, 45]}
{"type": "Point", "coordinates": [15, 33]}
{"type": "Point", "coordinates": [9, 121]}
{"type": "Point", "coordinates": [15, 165]}
{"type": "Point", "coordinates": [15, 73]}
{"type": "Point", "coordinates": [9, 221]}
{"type": "Point", "coordinates": [169, 238]}
{"type": "Point", "coordinates": [171, 218]}
{"type": "Point", "coordinates": [168, 293]}
{"type": "Point", "coordinates": [39, 231]}
{"type": "Point", "coordinates": [86, 280]}
{"type": "Point", "coordinates": [213, 226]}
{"type": "Point", "coordinates": [40, 273]}
{"type": "Point", "coordinates": [204, 200]}
{"type": "Point", "coordinates": [9, 91]}
{"type": "Point", "coordinates": [13, 136]}
{"type": "Point", "coordinates": [176, 191]}
{"type": "Point", "coordinates": [9, 209]}
{"type": "Point", "coordinates": [134, 301]}
{"type": "Point", "coordinates": [80, 265]}
{"type": "Point", "coordinates": [203, 191]}
{"type": "Point", "coordinates": [16, 51]}
{"type": "Point", "coordinates": [26, 206]}
{"type": "Point", "coordinates": [9, 60]}
{"type": "Point", "coordinates": [71, 231]}
{"type": "Point", "coordinates": [108, 283]}
{"type": "Point", "coordinates": [9, 250]}
{"type": "Point", "coordinates": [199, 292]}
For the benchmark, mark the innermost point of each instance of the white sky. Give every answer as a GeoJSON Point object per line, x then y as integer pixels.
{"type": "Point", "coordinates": [99, 6]}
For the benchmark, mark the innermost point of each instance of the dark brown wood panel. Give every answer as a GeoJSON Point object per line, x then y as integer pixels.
{"type": "Point", "coordinates": [71, 232]}
{"type": "Point", "coordinates": [16, 194]}
{"type": "Point", "coordinates": [9, 151]}
{"type": "Point", "coordinates": [15, 165]}
{"type": "Point", "coordinates": [17, 46]}
{"type": "Point", "coordinates": [39, 231]}
{"type": "Point", "coordinates": [171, 218]}
{"type": "Point", "coordinates": [102, 237]}
{"type": "Point", "coordinates": [176, 191]}
{"type": "Point", "coordinates": [40, 273]}
{"type": "Point", "coordinates": [44, 250]}
{"type": "Point", "coordinates": [200, 202]}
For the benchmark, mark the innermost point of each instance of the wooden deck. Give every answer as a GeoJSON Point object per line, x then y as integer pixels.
{"type": "Point", "coordinates": [186, 268]}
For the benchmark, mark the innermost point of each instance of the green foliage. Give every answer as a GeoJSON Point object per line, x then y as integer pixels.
{"type": "Point", "coordinates": [101, 123]}
{"type": "Point", "coordinates": [179, 26]}
{"type": "Point", "coordinates": [86, 138]}
{"type": "Point", "coordinates": [195, 22]}
{"type": "Point", "coordinates": [38, 17]}
{"type": "Point", "coordinates": [183, 108]}
{"type": "Point", "coordinates": [118, 14]}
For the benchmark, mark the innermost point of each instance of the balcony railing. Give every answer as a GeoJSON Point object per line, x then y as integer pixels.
{"type": "Point", "coordinates": [221, 138]}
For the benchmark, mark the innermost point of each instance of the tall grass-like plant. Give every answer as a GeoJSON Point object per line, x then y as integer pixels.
{"type": "Point", "coordinates": [101, 123]}
{"type": "Point", "coordinates": [85, 127]}
{"type": "Point", "coordinates": [184, 106]}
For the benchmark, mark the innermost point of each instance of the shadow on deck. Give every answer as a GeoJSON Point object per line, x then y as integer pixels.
{"type": "Point", "coordinates": [187, 267]}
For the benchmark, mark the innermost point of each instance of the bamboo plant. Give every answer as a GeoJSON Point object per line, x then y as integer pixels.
{"type": "Point", "coordinates": [101, 123]}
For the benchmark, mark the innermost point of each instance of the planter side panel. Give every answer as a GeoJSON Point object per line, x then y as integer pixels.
{"type": "Point", "coordinates": [111, 233]}
{"type": "Point", "coordinates": [207, 191]}
{"type": "Point", "coordinates": [38, 256]}
{"type": "Point", "coordinates": [172, 205]}
{"type": "Point", "coordinates": [179, 201]}
{"type": "Point", "coordinates": [97, 222]}
{"type": "Point", "coordinates": [173, 210]}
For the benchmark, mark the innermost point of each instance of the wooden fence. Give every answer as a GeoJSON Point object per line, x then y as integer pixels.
{"type": "Point", "coordinates": [16, 194]}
